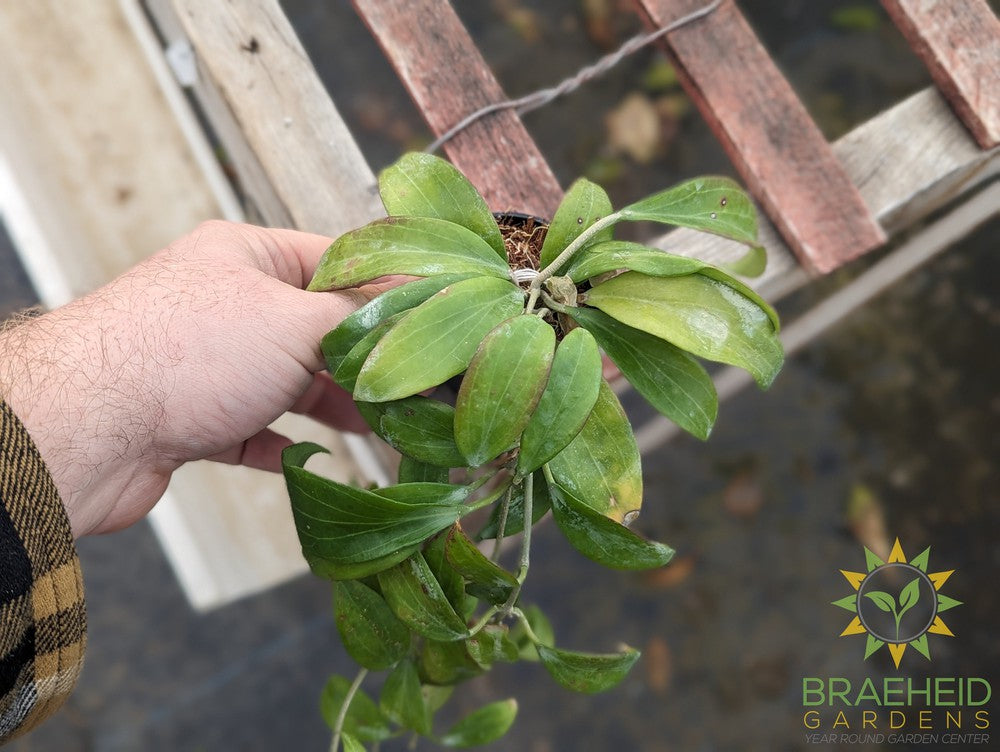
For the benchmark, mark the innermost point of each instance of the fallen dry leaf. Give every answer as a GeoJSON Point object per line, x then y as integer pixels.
{"type": "Point", "coordinates": [671, 575]}
{"type": "Point", "coordinates": [634, 128]}
{"type": "Point", "coordinates": [659, 662]}
{"type": "Point", "coordinates": [742, 496]}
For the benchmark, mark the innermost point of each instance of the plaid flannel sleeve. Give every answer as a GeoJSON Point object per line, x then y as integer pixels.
{"type": "Point", "coordinates": [42, 619]}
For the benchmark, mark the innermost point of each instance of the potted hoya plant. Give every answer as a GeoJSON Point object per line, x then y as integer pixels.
{"type": "Point", "coordinates": [518, 315]}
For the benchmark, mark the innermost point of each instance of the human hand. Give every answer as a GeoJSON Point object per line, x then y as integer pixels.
{"type": "Point", "coordinates": [189, 355]}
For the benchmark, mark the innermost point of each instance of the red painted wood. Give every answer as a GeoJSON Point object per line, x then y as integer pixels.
{"type": "Point", "coordinates": [447, 77]}
{"type": "Point", "coordinates": [959, 42]}
{"type": "Point", "coordinates": [772, 141]}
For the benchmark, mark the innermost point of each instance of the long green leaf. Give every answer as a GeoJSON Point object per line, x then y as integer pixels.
{"type": "Point", "coordinates": [416, 597]}
{"type": "Point", "coordinates": [338, 342]}
{"type": "Point", "coordinates": [587, 672]}
{"type": "Point", "coordinates": [437, 339]}
{"type": "Point", "coordinates": [583, 204]}
{"type": "Point", "coordinates": [700, 315]}
{"type": "Point", "coordinates": [619, 254]}
{"type": "Point", "coordinates": [482, 726]}
{"type": "Point", "coordinates": [541, 629]}
{"type": "Point", "coordinates": [486, 579]}
{"type": "Point", "coordinates": [347, 525]}
{"type": "Point", "coordinates": [402, 701]}
{"type": "Point", "coordinates": [351, 744]}
{"type": "Point", "coordinates": [423, 185]}
{"type": "Point", "coordinates": [371, 633]}
{"type": "Point", "coordinates": [333, 570]}
{"type": "Point", "coordinates": [602, 540]}
{"type": "Point", "coordinates": [351, 364]}
{"type": "Point", "coordinates": [713, 204]}
{"type": "Point", "coordinates": [601, 466]}
{"type": "Point", "coordinates": [421, 428]}
{"type": "Point", "coordinates": [671, 380]}
{"type": "Point", "coordinates": [569, 396]}
{"type": "Point", "coordinates": [623, 254]}
{"type": "Point", "coordinates": [492, 644]}
{"type": "Point", "coordinates": [418, 246]}
{"type": "Point", "coordinates": [502, 386]}
{"type": "Point", "coordinates": [364, 720]}
{"type": "Point", "coordinates": [451, 581]}
{"type": "Point", "coordinates": [414, 471]}
{"type": "Point", "coordinates": [447, 663]}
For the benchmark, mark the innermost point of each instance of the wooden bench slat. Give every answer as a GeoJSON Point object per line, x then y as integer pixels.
{"type": "Point", "coordinates": [959, 43]}
{"type": "Point", "coordinates": [772, 141]}
{"type": "Point", "coordinates": [264, 77]}
{"type": "Point", "coordinates": [448, 79]}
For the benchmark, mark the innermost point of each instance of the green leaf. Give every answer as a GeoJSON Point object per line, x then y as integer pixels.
{"type": "Point", "coordinates": [671, 380]}
{"type": "Point", "coordinates": [753, 263]}
{"type": "Point", "coordinates": [416, 597]}
{"type": "Point", "coordinates": [601, 466]}
{"type": "Point", "coordinates": [583, 204]}
{"type": "Point", "coordinates": [569, 396]}
{"type": "Point", "coordinates": [616, 255]}
{"type": "Point", "coordinates": [909, 596]}
{"type": "Point", "coordinates": [414, 471]}
{"type": "Point", "coordinates": [700, 315]}
{"type": "Point", "coordinates": [355, 571]}
{"type": "Point", "coordinates": [883, 600]}
{"type": "Point", "coordinates": [423, 185]}
{"type": "Point", "coordinates": [621, 254]}
{"type": "Point", "coordinates": [421, 428]}
{"type": "Point", "coordinates": [435, 696]}
{"type": "Point", "coordinates": [447, 663]}
{"type": "Point", "coordinates": [451, 581]}
{"type": "Point", "coordinates": [403, 702]}
{"type": "Point", "coordinates": [502, 386]}
{"type": "Point", "coordinates": [486, 579]}
{"type": "Point", "coordinates": [350, 366]}
{"type": "Point", "coordinates": [346, 525]}
{"type": "Point", "coordinates": [540, 505]}
{"type": "Point", "coordinates": [713, 204]}
{"type": "Point", "coordinates": [587, 672]}
{"type": "Point", "coordinates": [338, 342]}
{"type": "Point", "coordinates": [418, 246]}
{"type": "Point", "coordinates": [492, 644]}
{"type": "Point", "coordinates": [351, 744]}
{"type": "Point", "coordinates": [482, 726]}
{"type": "Point", "coordinates": [371, 633]}
{"type": "Point", "coordinates": [602, 540]}
{"type": "Point", "coordinates": [437, 339]}
{"type": "Point", "coordinates": [364, 720]}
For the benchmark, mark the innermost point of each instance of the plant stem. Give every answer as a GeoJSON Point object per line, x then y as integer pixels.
{"type": "Point", "coordinates": [527, 627]}
{"type": "Point", "coordinates": [502, 522]}
{"type": "Point", "coordinates": [581, 240]}
{"type": "Point", "coordinates": [522, 570]}
{"type": "Point", "coordinates": [338, 727]}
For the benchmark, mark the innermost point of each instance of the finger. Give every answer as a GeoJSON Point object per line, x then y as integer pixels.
{"type": "Point", "coordinates": [328, 403]}
{"type": "Point", "coordinates": [261, 451]}
{"type": "Point", "coordinates": [295, 255]}
{"type": "Point", "coordinates": [314, 314]}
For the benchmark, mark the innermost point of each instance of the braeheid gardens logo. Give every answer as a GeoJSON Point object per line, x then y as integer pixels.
{"type": "Point", "coordinates": [897, 603]}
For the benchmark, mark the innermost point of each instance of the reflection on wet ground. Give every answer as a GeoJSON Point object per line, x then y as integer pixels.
{"type": "Point", "coordinates": [886, 427]}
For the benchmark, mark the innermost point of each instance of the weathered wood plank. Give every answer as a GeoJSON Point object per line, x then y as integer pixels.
{"type": "Point", "coordinates": [906, 162]}
{"type": "Point", "coordinates": [768, 134]}
{"type": "Point", "coordinates": [959, 43]}
{"type": "Point", "coordinates": [448, 79]}
{"type": "Point", "coordinates": [263, 75]}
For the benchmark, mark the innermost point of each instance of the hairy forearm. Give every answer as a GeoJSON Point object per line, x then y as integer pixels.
{"type": "Point", "coordinates": [73, 378]}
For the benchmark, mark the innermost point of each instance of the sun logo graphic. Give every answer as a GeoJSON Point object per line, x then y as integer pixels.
{"type": "Point", "coordinates": [897, 603]}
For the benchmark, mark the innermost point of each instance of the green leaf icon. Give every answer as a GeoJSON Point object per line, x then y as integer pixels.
{"type": "Point", "coordinates": [909, 596]}
{"type": "Point", "coordinates": [883, 600]}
